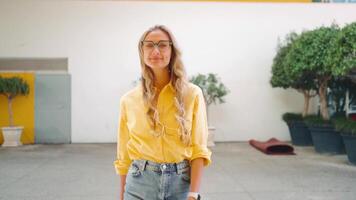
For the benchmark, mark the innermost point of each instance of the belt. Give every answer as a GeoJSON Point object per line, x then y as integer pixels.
{"type": "Point", "coordinates": [162, 167]}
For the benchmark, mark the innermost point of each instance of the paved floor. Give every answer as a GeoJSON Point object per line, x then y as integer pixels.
{"type": "Point", "coordinates": [238, 172]}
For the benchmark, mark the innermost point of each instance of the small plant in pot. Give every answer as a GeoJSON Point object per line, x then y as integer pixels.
{"type": "Point", "coordinates": [214, 91]}
{"type": "Point", "coordinates": [11, 88]}
{"type": "Point", "coordinates": [347, 129]}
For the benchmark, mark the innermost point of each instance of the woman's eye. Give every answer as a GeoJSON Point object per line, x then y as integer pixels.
{"type": "Point", "coordinates": [149, 45]}
{"type": "Point", "coordinates": [162, 45]}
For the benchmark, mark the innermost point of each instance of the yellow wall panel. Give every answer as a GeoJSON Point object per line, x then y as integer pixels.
{"type": "Point", "coordinates": [23, 109]}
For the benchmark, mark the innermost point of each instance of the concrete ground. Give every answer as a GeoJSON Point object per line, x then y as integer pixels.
{"type": "Point", "coordinates": [238, 172]}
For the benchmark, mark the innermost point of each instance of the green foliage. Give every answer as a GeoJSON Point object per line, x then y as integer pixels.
{"type": "Point", "coordinates": [14, 86]}
{"type": "Point", "coordinates": [339, 122]}
{"type": "Point", "coordinates": [316, 120]}
{"type": "Point", "coordinates": [345, 126]}
{"type": "Point", "coordinates": [344, 60]}
{"type": "Point", "coordinates": [318, 59]}
{"type": "Point", "coordinates": [345, 51]}
{"type": "Point", "coordinates": [311, 53]}
{"type": "Point", "coordinates": [281, 72]}
{"type": "Point", "coordinates": [288, 117]}
{"type": "Point", "coordinates": [213, 89]}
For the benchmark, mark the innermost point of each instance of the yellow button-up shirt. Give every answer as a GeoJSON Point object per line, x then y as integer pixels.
{"type": "Point", "coordinates": [135, 138]}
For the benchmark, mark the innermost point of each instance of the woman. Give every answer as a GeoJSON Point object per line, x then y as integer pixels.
{"type": "Point", "coordinates": [162, 137]}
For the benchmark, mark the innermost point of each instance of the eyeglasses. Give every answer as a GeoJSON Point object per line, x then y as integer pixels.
{"type": "Point", "coordinates": [162, 45]}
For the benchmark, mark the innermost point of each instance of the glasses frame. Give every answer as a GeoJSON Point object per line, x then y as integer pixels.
{"type": "Point", "coordinates": [155, 44]}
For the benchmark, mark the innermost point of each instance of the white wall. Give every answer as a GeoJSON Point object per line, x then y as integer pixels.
{"type": "Point", "coordinates": [235, 40]}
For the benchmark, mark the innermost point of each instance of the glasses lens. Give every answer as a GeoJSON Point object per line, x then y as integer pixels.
{"type": "Point", "coordinates": [163, 45]}
{"type": "Point", "coordinates": [147, 45]}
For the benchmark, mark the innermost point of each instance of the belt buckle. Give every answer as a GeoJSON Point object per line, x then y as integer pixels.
{"type": "Point", "coordinates": [163, 167]}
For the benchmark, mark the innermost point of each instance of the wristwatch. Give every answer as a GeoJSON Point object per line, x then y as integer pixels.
{"type": "Point", "coordinates": [195, 195]}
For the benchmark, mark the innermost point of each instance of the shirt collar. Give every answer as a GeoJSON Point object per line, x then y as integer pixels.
{"type": "Point", "coordinates": [168, 86]}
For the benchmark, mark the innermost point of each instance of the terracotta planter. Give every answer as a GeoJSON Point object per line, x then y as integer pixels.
{"type": "Point", "coordinates": [12, 136]}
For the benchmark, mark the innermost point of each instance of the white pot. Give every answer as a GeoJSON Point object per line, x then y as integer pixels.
{"type": "Point", "coordinates": [12, 136]}
{"type": "Point", "coordinates": [211, 136]}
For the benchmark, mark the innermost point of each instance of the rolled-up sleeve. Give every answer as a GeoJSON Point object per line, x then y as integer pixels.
{"type": "Point", "coordinates": [122, 163]}
{"type": "Point", "coordinates": [200, 130]}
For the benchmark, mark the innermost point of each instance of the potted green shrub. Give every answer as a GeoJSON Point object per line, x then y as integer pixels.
{"type": "Point", "coordinates": [311, 53]}
{"type": "Point", "coordinates": [281, 77]}
{"type": "Point", "coordinates": [333, 143]}
{"type": "Point", "coordinates": [347, 128]}
{"type": "Point", "coordinates": [11, 88]}
{"type": "Point", "coordinates": [214, 91]}
{"type": "Point", "coordinates": [314, 53]}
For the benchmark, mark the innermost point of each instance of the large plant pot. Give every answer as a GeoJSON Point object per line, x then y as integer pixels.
{"type": "Point", "coordinates": [300, 133]}
{"type": "Point", "coordinates": [211, 136]}
{"type": "Point", "coordinates": [350, 146]}
{"type": "Point", "coordinates": [326, 139]}
{"type": "Point", "coordinates": [12, 136]}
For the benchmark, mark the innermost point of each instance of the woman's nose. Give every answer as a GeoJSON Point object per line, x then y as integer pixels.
{"type": "Point", "coordinates": [155, 51]}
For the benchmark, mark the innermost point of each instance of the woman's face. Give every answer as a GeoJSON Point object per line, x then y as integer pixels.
{"type": "Point", "coordinates": [157, 50]}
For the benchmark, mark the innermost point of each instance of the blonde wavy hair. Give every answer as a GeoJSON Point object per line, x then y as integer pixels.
{"type": "Point", "coordinates": [179, 82]}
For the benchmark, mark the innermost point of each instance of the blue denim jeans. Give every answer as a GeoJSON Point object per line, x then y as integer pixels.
{"type": "Point", "coordinates": [147, 180]}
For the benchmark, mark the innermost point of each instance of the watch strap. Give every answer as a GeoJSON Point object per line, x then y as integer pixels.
{"type": "Point", "coordinates": [195, 195]}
